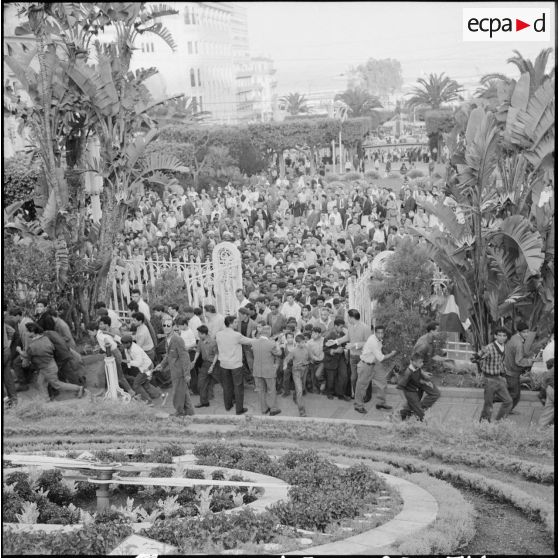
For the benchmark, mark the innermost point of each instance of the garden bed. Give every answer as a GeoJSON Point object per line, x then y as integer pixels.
{"type": "Point", "coordinates": [324, 503]}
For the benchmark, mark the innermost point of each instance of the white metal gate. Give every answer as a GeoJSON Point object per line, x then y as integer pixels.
{"type": "Point", "coordinates": [211, 282]}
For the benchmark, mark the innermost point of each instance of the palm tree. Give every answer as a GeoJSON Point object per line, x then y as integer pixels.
{"type": "Point", "coordinates": [359, 101]}
{"type": "Point", "coordinates": [435, 92]}
{"type": "Point", "coordinates": [294, 103]}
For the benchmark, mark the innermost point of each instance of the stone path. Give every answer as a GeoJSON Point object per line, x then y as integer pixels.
{"type": "Point", "coordinates": [463, 403]}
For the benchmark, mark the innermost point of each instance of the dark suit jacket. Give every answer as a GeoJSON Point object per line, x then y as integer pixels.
{"type": "Point", "coordinates": [264, 360]}
{"type": "Point", "coordinates": [277, 325]}
{"type": "Point", "coordinates": [177, 359]}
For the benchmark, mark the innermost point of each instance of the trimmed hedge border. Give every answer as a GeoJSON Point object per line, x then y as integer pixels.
{"type": "Point", "coordinates": [537, 472]}
{"type": "Point", "coordinates": [542, 511]}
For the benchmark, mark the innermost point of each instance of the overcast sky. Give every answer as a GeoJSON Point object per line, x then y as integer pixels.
{"type": "Point", "coordinates": [313, 42]}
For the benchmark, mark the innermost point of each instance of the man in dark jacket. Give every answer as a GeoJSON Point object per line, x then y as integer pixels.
{"type": "Point", "coordinates": [413, 382]}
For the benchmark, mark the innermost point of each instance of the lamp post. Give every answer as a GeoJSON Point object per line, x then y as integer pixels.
{"type": "Point", "coordinates": [341, 112]}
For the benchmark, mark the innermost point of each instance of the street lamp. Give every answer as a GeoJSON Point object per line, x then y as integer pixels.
{"type": "Point", "coordinates": [340, 112]}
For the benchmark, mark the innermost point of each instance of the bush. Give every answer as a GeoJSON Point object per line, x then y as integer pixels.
{"type": "Point", "coordinates": [350, 176]}
{"type": "Point", "coordinates": [22, 486]}
{"type": "Point", "coordinates": [372, 175]}
{"type": "Point", "coordinates": [162, 471]}
{"type": "Point", "coordinates": [19, 179]}
{"type": "Point", "coordinates": [97, 539]}
{"type": "Point", "coordinates": [415, 173]}
{"type": "Point", "coordinates": [12, 503]}
{"type": "Point", "coordinates": [399, 297]}
{"type": "Point", "coordinates": [195, 474]}
{"type": "Point", "coordinates": [62, 515]}
{"type": "Point", "coordinates": [164, 454]}
{"type": "Point", "coordinates": [168, 288]}
{"type": "Point", "coordinates": [219, 455]}
{"type": "Point", "coordinates": [58, 492]}
{"type": "Point", "coordinates": [86, 490]}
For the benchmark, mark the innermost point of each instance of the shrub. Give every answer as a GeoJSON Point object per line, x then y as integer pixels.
{"type": "Point", "coordinates": [194, 474]}
{"type": "Point", "coordinates": [399, 297]}
{"type": "Point", "coordinates": [22, 486]}
{"type": "Point", "coordinates": [216, 454]}
{"type": "Point", "coordinates": [12, 504]}
{"type": "Point", "coordinates": [19, 179]}
{"type": "Point", "coordinates": [164, 454]}
{"type": "Point", "coordinates": [63, 515]}
{"type": "Point", "coordinates": [58, 492]}
{"type": "Point", "coordinates": [218, 475]}
{"type": "Point", "coordinates": [415, 173]}
{"type": "Point", "coordinates": [96, 539]}
{"type": "Point", "coordinates": [162, 471]}
{"type": "Point", "coordinates": [372, 175]}
{"type": "Point", "coordinates": [350, 176]}
{"type": "Point", "coordinates": [168, 288]}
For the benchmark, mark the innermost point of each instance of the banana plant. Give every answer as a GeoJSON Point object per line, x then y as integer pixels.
{"type": "Point", "coordinates": [491, 261]}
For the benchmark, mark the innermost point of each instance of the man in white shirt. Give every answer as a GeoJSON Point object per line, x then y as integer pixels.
{"type": "Point", "coordinates": [100, 331]}
{"type": "Point", "coordinates": [193, 321]}
{"type": "Point", "coordinates": [335, 218]}
{"type": "Point", "coordinates": [142, 305]}
{"type": "Point", "coordinates": [215, 322]}
{"type": "Point", "coordinates": [369, 370]}
{"type": "Point", "coordinates": [139, 366]}
{"type": "Point", "coordinates": [242, 300]}
{"type": "Point", "coordinates": [143, 336]}
{"type": "Point", "coordinates": [290, 308]}
{"type": "Point", "coordinates": [229, 346]}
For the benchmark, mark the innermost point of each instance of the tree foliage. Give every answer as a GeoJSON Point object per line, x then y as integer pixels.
{"type": "Point", "coordinates": [294, 103]}
{"type": "Point", "coordinates": [434, 92]}
{"type": "Point", "coordinates": [359, 101]}
{"type": "Point", "coordinates": [401, 295]}
{"type": "Point", "coordinates": [379, 77]}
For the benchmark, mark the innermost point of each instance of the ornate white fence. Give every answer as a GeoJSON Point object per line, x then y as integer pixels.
{"type": "Point", "coordinates": [211, 282]}
{"type": "Point", "coordinates": [359, 295]}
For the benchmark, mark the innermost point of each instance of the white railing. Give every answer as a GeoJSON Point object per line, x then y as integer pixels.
{"type": "Point", "coordinates": [359, 295]}
{"type": "Point", "coordinates": [198, 279]}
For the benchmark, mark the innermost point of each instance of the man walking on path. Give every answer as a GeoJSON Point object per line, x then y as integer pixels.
{"type": "Point", "coordinates": [356, 336]}
{"type": "Point", "coordinates": [265, 371]}
{"type": "Point", "coordinates": [370, 370]}
{"type": "Point", "coordinates": [412, 382]}
{"type": "Point", "coordinates": [177, 360]}
{"type": "Point", "coordinates": [334, 362]}
{"type": "Point", "coordinates": [207, 349]}
{"type": "Point", "coordinates": [516, 362]}
{"type": "Point", "coordinates": [492, 366]}
{"type": "Point", "coordinates": [229, 346]}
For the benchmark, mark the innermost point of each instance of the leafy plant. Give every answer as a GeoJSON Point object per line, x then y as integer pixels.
{"type": "Point", "coordinates": [128, 511]}
{"type": "Point", "coordinates": [169, 506]}
{"type": "Point", "coordinates": [29, 513]}
{"type": "Point", "coordinates": [204, 504]}
{"type": "Point", "coordinates": [58, 492]}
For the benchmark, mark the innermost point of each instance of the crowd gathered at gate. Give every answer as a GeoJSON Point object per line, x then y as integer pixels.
{"type": "Point", "coordinates": [301, 238]}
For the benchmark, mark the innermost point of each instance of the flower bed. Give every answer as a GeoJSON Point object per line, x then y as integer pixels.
{"type": "Point", "coordinates": [321, 497]}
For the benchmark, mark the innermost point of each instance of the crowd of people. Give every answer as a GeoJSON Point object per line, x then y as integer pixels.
{"type": "Point", "coordinates": [300, 238]}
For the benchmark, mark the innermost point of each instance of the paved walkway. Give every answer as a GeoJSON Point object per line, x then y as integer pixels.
{"type": "Point", "coordinates": [462, 403]}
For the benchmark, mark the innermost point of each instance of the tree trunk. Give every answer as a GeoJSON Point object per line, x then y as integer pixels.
{"type": "Point", "coordinates": [281, 162]}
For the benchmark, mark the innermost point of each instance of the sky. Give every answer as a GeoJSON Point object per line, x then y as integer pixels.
{"type": "Point", "coordinates": [312, 43]}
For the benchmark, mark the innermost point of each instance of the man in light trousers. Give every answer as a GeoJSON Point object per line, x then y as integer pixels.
{"type": "Point", "coordinates": [370, 370]}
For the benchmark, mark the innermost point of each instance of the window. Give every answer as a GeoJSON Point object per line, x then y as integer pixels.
{"type": "Point", "coordinates": [194, 21]}
{"type": "Point", "coordinates": [201, 106]}
{"type": "Point", "coordinates": [142, 47]}
{"type": "Point", "coordinates": [187, 15]}
{"type": "Point", "coordinates": [199, 77]}
{"type": "Point", "coordinates": [196, 47]}
{"type": "Point", "coordinates": [152, 49]}
{"type": "Point", "coordinates": [192, 77]}
{"type": "Point", "coordinates": [189, 47]}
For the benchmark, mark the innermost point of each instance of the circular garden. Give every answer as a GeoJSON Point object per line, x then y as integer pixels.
{"type": "Point", "coordinates": [266, 486]}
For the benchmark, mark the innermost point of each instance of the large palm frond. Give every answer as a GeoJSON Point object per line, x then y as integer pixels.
{"type": "Point", "coordinates": [516, 235]}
